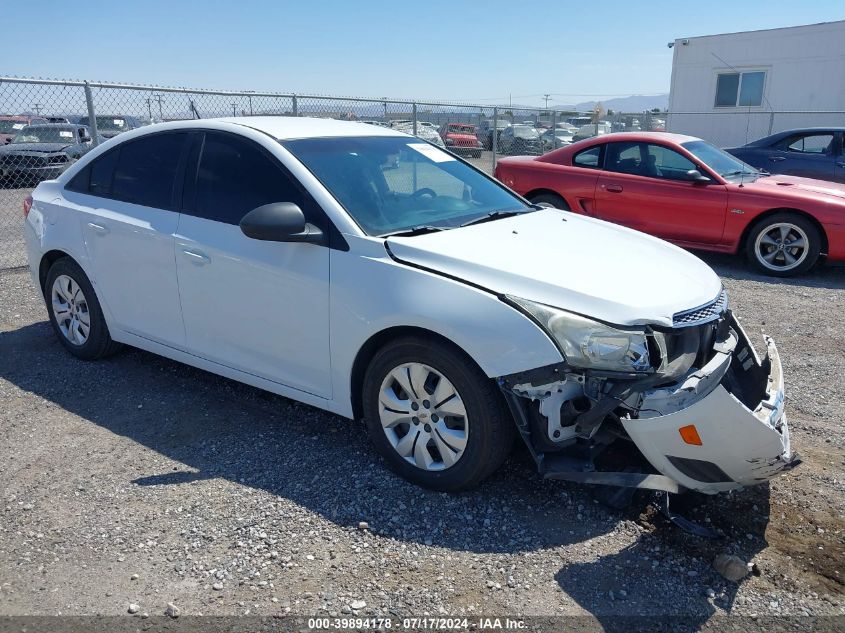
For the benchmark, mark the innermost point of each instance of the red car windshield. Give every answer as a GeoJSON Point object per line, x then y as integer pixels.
{"type": "Point", "coordinates": [721, 162]}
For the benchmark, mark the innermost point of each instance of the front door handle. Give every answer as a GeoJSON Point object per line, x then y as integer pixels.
{"type": "Point", "coordinates": [99, 229]}
{"type": "Point", "coordinates": [776, 159]}
{"type": "Point", "coordinates": [614, 188]}
{"type": "Point", "coordinates": [200, 259]}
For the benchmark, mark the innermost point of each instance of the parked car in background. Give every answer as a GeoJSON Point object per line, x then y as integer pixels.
{"type": "Point", "coordinates": [461, 139]}
{"type": "Point", "coordinates": [484, 131]}
{"type": "Point", "coordinates": [592, 129]}
{"type": "Point", "coordinates": [809, 152]}
{"type": "Point", "coordinates": [11, 124]}
{"type": "Point", "coordinates": [554, 139]}
{"type": "Point", "coordinates": [424, 132]}
{"type": "Point", "coordinates": [42, 151]}
{"type": "Point", "coordinates": [520, 139]}
{"type": "Point", "coordinates": [426, 299]}
{"type": "Point", "coordinates": [685, 190]}
{"type": "Point", "coordinates": [110, 125]}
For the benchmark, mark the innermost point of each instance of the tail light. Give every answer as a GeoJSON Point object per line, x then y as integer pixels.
{"type": "Point", "coordinates": [27, 205]}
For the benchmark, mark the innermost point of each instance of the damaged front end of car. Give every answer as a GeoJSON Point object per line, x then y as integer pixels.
{"type": "Point", "coordinates": [688, 406]}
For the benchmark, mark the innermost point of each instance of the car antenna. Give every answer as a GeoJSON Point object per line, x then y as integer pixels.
{"type": "Point", "coordinates": [748, 112]}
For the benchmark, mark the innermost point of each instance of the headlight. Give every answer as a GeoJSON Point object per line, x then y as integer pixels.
{"type": "Point", "coordinates": [450, 141]}
{"type": "Point", "coordinates": [590, 344]}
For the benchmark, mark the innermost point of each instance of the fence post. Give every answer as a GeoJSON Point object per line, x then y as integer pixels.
{"type": "Point", "coordinates": [92, 117]}
{"type": "Point", "coordinates": [414, 117]}
{"type": "Point", "coordinates": [495, 138]}
{"type": "Point", "coordinates": [295, 106]}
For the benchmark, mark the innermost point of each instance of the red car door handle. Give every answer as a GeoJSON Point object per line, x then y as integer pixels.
{"type": "Point", "coordinates": [776, 159]}
{"type": "Point", "coordinates": [614, 188]}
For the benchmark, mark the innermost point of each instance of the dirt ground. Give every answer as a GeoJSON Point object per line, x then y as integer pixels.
{"type": "Point", "coordinates": [139, 481]}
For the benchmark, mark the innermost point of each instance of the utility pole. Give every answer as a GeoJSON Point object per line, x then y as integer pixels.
{"type": "Point", "coordinates": [547, 97]}
{"type": "Point", "coordinates": [150, 108]}
{"type": "Point", "coordinates": [234, 109]}
{"type": "Point", "coordinates": [37, 108]}
{"type": "Point", "coordinates": [159, 99]}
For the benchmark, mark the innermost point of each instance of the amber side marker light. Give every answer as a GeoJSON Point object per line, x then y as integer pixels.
{"type": "Point", "coordinates": [690, 435]}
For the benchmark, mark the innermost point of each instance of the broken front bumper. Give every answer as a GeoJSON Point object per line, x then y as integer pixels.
{"type": "Point", "coordinates": [735, 404]}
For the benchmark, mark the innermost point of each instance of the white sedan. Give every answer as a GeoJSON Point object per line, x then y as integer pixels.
{"type": "Point", "coordinates": [363, 271]}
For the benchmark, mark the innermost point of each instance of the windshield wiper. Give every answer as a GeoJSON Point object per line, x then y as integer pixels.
{"type": "Point", "coordinates": [493, 215]}
{"type": "Point", "coordinates": [415, 230]}
{"type": "Point", "coordinates": [741, 172]}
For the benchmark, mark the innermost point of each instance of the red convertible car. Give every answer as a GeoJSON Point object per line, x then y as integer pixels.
{"type": "Point", "coordinates": [691, 193]}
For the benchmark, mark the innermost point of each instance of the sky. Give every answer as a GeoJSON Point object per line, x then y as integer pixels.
{"type": "Point", "coordinates": [481, 52]}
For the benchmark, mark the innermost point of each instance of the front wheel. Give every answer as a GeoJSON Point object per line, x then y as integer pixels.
{"type": "Point", "coordinates": [435, 417]}
{"type": "Point", "coordinates": [783, 244]}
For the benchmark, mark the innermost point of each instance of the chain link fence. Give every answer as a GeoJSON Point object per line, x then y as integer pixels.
{"type": "Point", "coordinates": [46, 125]}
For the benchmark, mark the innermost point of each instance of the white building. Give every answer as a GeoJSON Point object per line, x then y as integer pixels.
{"type": "Point", "coordinates": [733, 88]}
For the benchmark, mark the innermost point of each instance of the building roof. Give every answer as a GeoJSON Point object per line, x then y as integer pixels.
{"type": "Point", "coordinates": [780, 28]}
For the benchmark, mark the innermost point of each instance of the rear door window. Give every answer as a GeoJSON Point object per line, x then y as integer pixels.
{"type": "Point", "coordinates": [146, 170]}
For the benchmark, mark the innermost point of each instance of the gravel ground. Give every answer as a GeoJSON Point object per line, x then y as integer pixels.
{"type": "Point", "coordinates": [139, 481]}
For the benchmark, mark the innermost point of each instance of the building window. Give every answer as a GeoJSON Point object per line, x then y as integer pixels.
{"type": "Point", "coordinates": [740, 89]}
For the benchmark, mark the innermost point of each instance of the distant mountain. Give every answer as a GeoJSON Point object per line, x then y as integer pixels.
{"type": "Point", "coordinates": [634, 103]}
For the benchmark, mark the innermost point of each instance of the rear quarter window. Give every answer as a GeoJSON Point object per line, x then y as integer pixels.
{"type": "Point", "coordinates": [589, 158]}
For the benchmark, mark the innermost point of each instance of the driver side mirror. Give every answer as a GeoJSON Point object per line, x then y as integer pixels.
{"type": "Point", "coordinates": [693, 175]}
{"type": "Point", "coordinates": [280, 222]}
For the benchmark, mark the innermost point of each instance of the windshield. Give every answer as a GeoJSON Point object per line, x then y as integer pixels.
{"type": "Point", "coordinates": [462, 129]}
{"type": "Point", "coordinates": [721, 162]}
{"type": "Point", "coordinates": [34, 134]}
{"type": "Point", "coordinates": [390, 184]}
{"type": "Point", "coordinates": [107, 123]}
{"type": "Point", "coordinates": [523, 131]}
{"type": "Point", "coordinates": [11, 127]}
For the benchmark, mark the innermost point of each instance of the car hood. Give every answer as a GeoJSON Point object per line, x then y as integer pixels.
{"type": "Point", "coordinates": [580, 264]}
{"type": "Point", "coordinates": [42, 148]}
{"type": "Point", "coordinates": [792, 185]}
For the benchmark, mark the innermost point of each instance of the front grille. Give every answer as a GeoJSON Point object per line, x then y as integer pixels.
{"type": "Point", "coordinates": [703, 314]}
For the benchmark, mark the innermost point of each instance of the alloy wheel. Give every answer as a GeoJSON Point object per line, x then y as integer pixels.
{"type": "Point", "coordinates": [70, 309]}
{"type": "Point", "coordinates": [423, 416]}
{"type": "Point", "coordinates": [781, 247]}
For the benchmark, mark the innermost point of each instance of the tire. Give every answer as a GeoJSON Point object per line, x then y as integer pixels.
{"type": "Point", "coordinates": [550, 200]}
{"type": "Point", "coordinates": [485, 430]}
{"type": "Point", "coordinates": [768, 256]}
{"type": "Point", "coordinates": [70, 297]}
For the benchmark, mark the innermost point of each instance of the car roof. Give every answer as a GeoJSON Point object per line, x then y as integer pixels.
{"type": "Point", "coordinates": [800, 130]}
{"type": "Point", "coordinates": [645, 137]}
{"type": "Point", "coordinates": [57, 125]}
{"type": "Point", "coordinates": [289, 127]}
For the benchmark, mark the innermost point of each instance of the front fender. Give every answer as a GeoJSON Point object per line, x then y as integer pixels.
{"type": "Point", "coordinates": [372, 293]}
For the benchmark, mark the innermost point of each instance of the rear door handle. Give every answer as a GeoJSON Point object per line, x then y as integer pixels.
{"type": "Point", "coordinates": [199, 259]}
{"type": "Point", "coordinates": [99, 229]}
{"type": "Point", "coordinates": [614, 188]}
{"type": "Point", "coordinates": [776, 159]}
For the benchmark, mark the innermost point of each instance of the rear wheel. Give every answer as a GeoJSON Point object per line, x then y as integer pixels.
{"type": "Point", "coordinates": [75, 312]}
{"type": "Point", "coordinates": [783, 244]}
{"type": "Point", "coordinates": [435, 417]}
{"type": "Point", "coordinates": [549, 200]}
